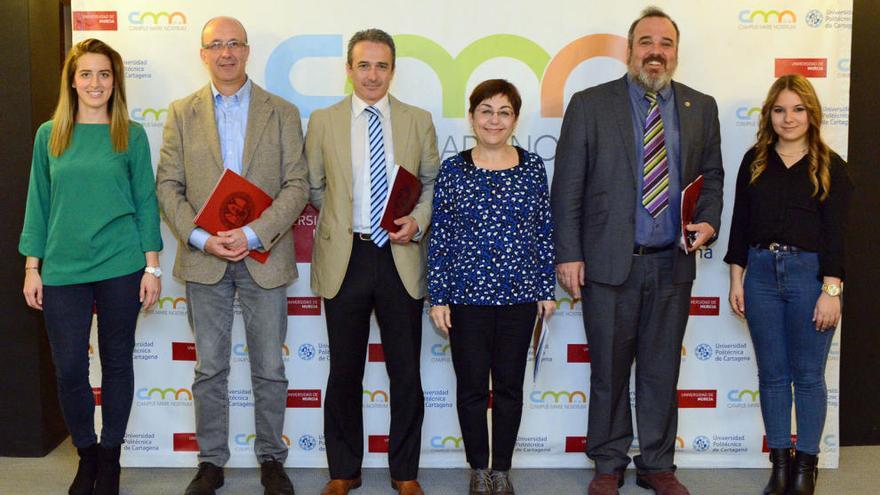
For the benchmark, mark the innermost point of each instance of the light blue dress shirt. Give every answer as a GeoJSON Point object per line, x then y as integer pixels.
{"type": "Point", "coordinates": [231, 115]}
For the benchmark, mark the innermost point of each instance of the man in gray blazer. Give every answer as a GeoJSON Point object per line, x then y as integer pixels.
{"type": "Point", "coordinates": [626, 150]}
{"type": "Point", "coordinates": [234, 124]}
{"type": "Point", "coordinates": [359, 267]}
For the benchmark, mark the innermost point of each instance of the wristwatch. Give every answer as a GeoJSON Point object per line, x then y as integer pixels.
{"type": "Point", "coordinates": [157, 272]}
{"type": "Point", "coordinates": [832, 290]}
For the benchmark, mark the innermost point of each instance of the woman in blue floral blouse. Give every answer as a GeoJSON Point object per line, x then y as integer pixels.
{"type": "Point", "coordinates": [490, 272]}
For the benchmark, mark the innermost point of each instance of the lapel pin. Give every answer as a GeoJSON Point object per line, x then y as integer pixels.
{"type": "Point", "coordinates": [687, 104]}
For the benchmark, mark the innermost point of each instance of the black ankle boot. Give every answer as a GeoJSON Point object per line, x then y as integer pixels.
{"type": "Point", "coordinates": [107, 481]}
{"type": "Point", "coordinates": [803, 474]}
{"type": "Point", "coordinates": [84, 481]}
{"type": "Point", "coordinates": [779, 476]}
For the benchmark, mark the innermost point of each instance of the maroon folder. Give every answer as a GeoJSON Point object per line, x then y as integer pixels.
{"type": "Point", "coordinates": [234, 203]}
{"type": "Point", "coordinates": [404, 195]}
{"type": "Point", "coordinates": [689, 197]}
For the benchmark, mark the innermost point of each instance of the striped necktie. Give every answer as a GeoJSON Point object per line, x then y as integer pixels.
{"type": "Point", "coordinates": [655, 186]}
{"type": "Point", "coordinates": [378, 177]}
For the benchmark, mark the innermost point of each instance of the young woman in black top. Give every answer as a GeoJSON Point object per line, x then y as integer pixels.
{"type": "Point", "coordinates": [792, 195]}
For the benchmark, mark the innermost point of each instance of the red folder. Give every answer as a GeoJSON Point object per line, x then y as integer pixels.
{"type": "Point", "coordinates": [405, 191]}
{"type": "Point", "coordinates": [234, 203]}
{"type": "Point", "coordinates": [689, 197]}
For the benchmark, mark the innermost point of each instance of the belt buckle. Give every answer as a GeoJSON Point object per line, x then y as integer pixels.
{"type": "Point", "coordinates": [774, 247]}
{"type": "Point", "coordinates": [364, 237]}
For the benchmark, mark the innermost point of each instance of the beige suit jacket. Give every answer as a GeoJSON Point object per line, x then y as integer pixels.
{"type": "Point", "coordinates": [328, 147]}
{"type": "Point", "coordinates": [190, 165]}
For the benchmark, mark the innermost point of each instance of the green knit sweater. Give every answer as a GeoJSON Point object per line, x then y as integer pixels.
{"type": "Point", "coordinates": [91, 212]}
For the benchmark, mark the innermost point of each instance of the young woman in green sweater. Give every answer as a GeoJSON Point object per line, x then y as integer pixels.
{"type": "Point", "coordinates": [91, 240]}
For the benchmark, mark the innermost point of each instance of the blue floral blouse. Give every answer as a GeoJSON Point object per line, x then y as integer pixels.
{"type": "Point", "coordinates": [491, 239]}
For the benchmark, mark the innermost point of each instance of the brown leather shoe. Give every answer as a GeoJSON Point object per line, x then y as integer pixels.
{"type": "Point", "coordinates": [409, 487]}
{"type": "Point", "coordinates": [340, 487]}
{"type": "Point", "coordinates": [605, 483]}
{"type": "Point", "coordinates": [664, 483]}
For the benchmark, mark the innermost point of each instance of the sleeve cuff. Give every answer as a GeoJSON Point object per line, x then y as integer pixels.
{"type": "Point", "coordinates": [252, 239]}
{"type": "Point", "coordinates": [198, 237]}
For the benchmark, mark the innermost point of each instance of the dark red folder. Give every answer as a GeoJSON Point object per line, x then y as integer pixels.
{"type": "Point", "coordinates": [689, 197]}
{"type": "Point", "coordinates": [404, 195]}
{"type": "Point", "coordinates": [234, 203]}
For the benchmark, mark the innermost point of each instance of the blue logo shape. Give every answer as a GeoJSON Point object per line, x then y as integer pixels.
{"type": "Point", "coordinates": [702, 443]}
{"type": "Point", "coordinates": [703, 352]}
{"type": "Point", "coordinates": [814, 18]}
{"type": "Point", "coordinates": [307, 442]}
{"type": "Point", "coordinates": [306, 352]}
{"type": "Point", "coordinates": [289, 53]}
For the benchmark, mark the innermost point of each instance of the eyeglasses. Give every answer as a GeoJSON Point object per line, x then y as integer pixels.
{"type": "Point", "coordinates": [218, 46]}
{"type": "Point", "coordinates": [487, 113]}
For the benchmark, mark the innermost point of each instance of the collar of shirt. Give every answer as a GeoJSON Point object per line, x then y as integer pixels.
{"type": "Point", "coordinates": [242, 96]}
{"type": "Point", "coordinates": [358, 106]}
{"type": "Point", "coordinates": [638, 91]}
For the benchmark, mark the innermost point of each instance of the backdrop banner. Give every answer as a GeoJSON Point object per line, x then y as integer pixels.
{"type": "Point", "coordinates": [549, 49]}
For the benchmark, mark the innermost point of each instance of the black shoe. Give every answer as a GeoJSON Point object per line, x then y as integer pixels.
{"type": "Point", "coordinates": [107, 480]}
{"type": "Point", "coordinates": [803, 474]}
{"type": "Point", "coordinates": [779, 475]}
{"type": "Point", "coordinates": [481, 482]}
{"type": "Point", "coordinates": [501, 483]}
{"type": "Point", "coordinates": [84, 481]}
{"type": "Point", "coordinates": [207, 480]}
{"type": "Point", "coordinates": [275, 479]}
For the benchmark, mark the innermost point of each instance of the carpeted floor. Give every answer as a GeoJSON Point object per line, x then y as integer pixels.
{"type": "Point", "coordinates": [859, 473]}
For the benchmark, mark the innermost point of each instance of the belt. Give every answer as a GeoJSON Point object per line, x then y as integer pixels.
{"type": "Point", "coordinates": [643, 250]}
{"type": "Point", "coordinates": [775, 247]}
{"type": "Point", "coordinates": [363, 237]}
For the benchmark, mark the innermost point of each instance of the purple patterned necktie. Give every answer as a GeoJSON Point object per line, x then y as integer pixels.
{"type": "Point", "coordinates": [655, 186]}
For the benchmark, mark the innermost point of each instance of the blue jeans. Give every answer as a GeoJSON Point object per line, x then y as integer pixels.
{"type": "Point", "coordinates": [781, 290]}
{"type": "Point", "coordinates": [67, 310]}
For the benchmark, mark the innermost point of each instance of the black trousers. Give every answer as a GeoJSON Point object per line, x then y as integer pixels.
{"type": "Point", "coordinates": [490, 340]}
{"type": "Point", "coordinates": [643, 319]}
{"type": "Point", "coordinates": [372, 283]}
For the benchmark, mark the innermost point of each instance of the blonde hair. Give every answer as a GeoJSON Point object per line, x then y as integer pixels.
{"type": "Point", "coordinates": [68, 101]}
{"type": "Point", "coordinates": [819, 154]}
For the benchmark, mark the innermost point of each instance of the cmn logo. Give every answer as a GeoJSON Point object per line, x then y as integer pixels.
{"type": "Point", "coordinates": [246, 439]}
{"type": "Point", "coordinates": [450, 442]}
{"type": "Point", "coordinates": [439, 349]}
{"type": "Point", "coordinates": [172, 301]}
{"type": "Point", "coordinates": [453, 72]}
{"type": "Point", "coordinates": [748, 113]}
{"type": "Point", "coordinates": [543, 397]}
{"type": "Point", "coordinates": [156, 393]}
{"type": "Point", "coordinates": [767, 16]}
{"type": "Point", "coordinates": [156, 18]}
{"type": "Point", "coordinates": [569, 301]}
{"type": "Point", "coordinates": [376, 395]}
{"type": "Point", "coordinates": [148, 114]}
{"type": "Point", "coordinates": [740, 395]}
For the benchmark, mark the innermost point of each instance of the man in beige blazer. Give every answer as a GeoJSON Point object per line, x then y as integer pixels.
{"type": "Point", "coordinates": [357, 267]}
{"type": "Point", "coordinates": [234, 124]}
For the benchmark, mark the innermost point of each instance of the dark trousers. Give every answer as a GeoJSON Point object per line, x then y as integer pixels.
{"type": "Point", "coordinates": [372, 283]}
{"type": "Point", "coordinates": [67, 310]}
{"type": "Point", "coordinates": [484, 340]}
{"type": "Point", "coordinates": [645, 319]}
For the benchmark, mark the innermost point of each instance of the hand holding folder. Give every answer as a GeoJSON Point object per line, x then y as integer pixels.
{"type": "Point", "coordinates": [689, 196]}
{"type": "Point", "coordinates": [234, 203]}
{"type": "Point", "coordinates": [402, 198]}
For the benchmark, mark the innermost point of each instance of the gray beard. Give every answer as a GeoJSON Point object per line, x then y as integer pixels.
{"type": "Point", "coordinates": [650, 83]}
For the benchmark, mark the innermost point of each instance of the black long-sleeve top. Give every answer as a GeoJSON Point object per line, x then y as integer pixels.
{"type": "Point", "coordinates": [780, 207]}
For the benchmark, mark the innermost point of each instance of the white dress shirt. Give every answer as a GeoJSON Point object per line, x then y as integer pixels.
{"type": "Point", "coordinates": [360, 158]}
